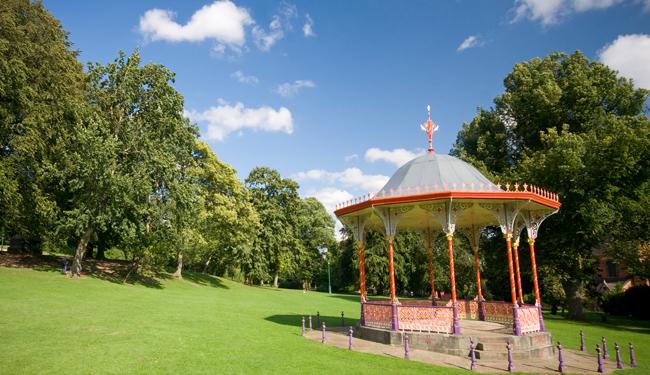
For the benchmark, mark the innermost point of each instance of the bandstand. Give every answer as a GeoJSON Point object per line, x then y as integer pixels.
{"type": "Point", "coordinates": [433, 193]}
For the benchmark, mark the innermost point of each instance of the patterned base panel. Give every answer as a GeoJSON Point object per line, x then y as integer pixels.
{"type": "Point", "coordinates": [528, 318]}
{"type": "Point", "coordinates": [467, 309]}
{"type": "Point", "coordinates": [500, 312]}
{"type": "Point", "coordinates": [377, 315]}
{"type": "Point", "coordinates": [425, 318]}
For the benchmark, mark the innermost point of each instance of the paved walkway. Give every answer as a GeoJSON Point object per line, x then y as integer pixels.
{"type": "Point", "coordinates": [575, 362]}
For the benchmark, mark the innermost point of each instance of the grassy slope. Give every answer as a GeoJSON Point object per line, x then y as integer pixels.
{"type": "Point", "coordinates": [52, 324]}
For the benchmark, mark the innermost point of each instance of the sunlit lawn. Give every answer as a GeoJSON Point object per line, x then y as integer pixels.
{"type": "Point", "coordinates": [50, 324]}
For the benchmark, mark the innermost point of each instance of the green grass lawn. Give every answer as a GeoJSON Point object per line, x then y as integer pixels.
{"type": "Point", "coordinates": [51, 324]}
{"type": "Point", "coordinates": [616, 329]}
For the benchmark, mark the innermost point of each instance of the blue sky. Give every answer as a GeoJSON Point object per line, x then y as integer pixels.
{"type": "Point", "coordinates": [331, 93]}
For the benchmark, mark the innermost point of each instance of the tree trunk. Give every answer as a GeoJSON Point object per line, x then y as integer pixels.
{"type": "Point", "coordinates": [179, 268]}
{"type": "Point", "coordinates": [79, 253]}
{"type": "Point", "coordinates": [100, 253]}
{"type": "Point", "coordinates": [275, 280]}
{"type": "Point", "coordinates": [573, 291]}
{"type": "Point", "coordinates": [207, 263]}
{"type": "Point", "coordinates": [89, 251]}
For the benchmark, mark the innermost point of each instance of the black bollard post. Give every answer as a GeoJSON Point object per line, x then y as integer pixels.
{"type": "Point", "coordinates": [342, 320]}
{"type": "Point", "coordinates": [317, 319]}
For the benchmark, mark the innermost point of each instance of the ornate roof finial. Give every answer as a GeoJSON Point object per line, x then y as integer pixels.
{"type": "Point", "coordinates": [429, 127]}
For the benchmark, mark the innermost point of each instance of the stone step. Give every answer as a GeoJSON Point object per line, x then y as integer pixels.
{"type": "Point", "coordinates": [539, 352]}
{"type": "Point", "coordinates": [521, 345]}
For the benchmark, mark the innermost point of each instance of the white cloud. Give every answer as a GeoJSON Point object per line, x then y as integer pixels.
{"type": "Point", "coordinates": [549, 12]}
{"type": "Point", "coordinates": [469, 42]}
{"type": "Point", "coordinates": [351, 157]}
{"type": "Point", "coordinates": [222, 21]}
{"type": "Point", "coordinates": [330, 197]}
{"type": "Point", "coordinates": [225, 119]}
{"type": "Point", "coordinates": [291, 89]}
{"type": "Point", "coordinates": [308, 28]}
{"type": "Point", "coordinates": [242, 78]}
{"type": "Point", "coordinates": [279, 25]}
{"type": "Point", "coordinates": [545, 11]}
{"type": "Point", "coordinates": [584, 5]}
{"type": "Point", "coordinates": [351, 178]}
{"type": "Point", "coordinates": [630, 55]}
{"type": "Point", "coordinates": [398, 156]}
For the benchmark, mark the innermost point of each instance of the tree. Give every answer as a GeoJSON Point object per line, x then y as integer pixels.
{"type": "Point", "coordinates": [575, 127]}
{"type": "Point", "coordinates": [314, 229]}
{"type": "Point", "coordinates": [276, 201]}
{"type": "Point", "coordinates": [41, 88]}
{"type": "Point", "coordinates": [223, 221]}
{"type": "Point", "coordinates": [124, 165]}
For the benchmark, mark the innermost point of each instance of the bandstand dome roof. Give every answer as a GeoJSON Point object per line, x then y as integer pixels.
{"type": "Point", "coordinates": [433, 169]}
{"type": "Point", "coordinates": [432, 183]}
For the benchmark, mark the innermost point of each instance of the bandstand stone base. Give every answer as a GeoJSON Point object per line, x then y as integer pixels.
{"type": "Point", "coordinates": [490, 339]}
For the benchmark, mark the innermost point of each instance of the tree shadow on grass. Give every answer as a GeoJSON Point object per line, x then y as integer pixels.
{"type": "Point", "coordinates": [204, 279]}
{"type": "Point", "coordinates": [331, 322]}
{"type": "Point", "coordinates": [114, 271]}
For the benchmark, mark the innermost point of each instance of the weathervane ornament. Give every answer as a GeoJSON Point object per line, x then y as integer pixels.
{"type": "Point", "coordinates": [429, 127]}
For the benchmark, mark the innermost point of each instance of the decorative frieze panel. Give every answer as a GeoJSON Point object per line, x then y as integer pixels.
{"type": "Point", "coordinates": [505, 213]}
{"type": "Point", "coordinates": [533, 219]}
{"type": "Point", "coordinates": [447, 213]}
{"type": "Point", "coordinates": [391, 217]}
{"type": "Point", "coordinates": [356, 225]}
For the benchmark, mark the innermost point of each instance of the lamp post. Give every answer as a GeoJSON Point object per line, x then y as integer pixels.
{"type": "Point", "coordinates": [323, 251]}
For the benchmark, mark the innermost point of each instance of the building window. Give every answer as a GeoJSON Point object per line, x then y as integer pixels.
{"type": "Point", "coordinates": [612, 269]}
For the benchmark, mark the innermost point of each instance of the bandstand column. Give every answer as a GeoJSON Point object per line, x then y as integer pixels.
{"type": "Point", "coordinates": [356, 226]}
{"type": "Point", "coordinates": [362, 270]}
{"type": "Point", "coordinates": [515, 246]}
{"type": "Point", "coordinates": [534, 219]}
{"type": "Point", "coordinates": [362, 278]}
{"type": "Point", "coordinates": [391, 216]}
{"type": "Point", "coordinates": [391, 269]}
{"type": "Point", "coordinates": [452, 279]}
{"type": "Point", "coordinates": [513, 294]}
{"type": "Point", "coordinates": [538, 301]}
{"type": "Point", "coordinates": [391, 280]}
{"type": "Point", "coordinates": [478, 274]}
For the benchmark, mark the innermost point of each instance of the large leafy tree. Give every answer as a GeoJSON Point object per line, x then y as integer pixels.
{"type": "Point", "coordinates": [125, 163]}
{"type": "Point", "coordinates": [314, 229]}
{"type": "Point", "coordinates": [223, 220]}
{"type": "Point", "coordinates": [276, 201]}
{"type": "Point", "coordinates": [575, 127]}
{"type": "Point", "coordinates": [41, 90]}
